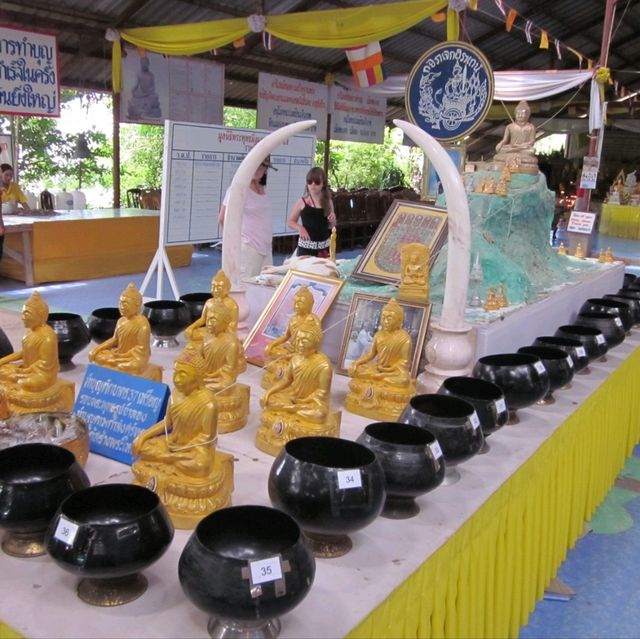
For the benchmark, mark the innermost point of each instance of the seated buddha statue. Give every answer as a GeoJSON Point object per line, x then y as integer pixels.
{"type": "Point", "coordinates": [224, 358]}
{"type": "Point", "coordinates": [278, 352]}
{"type": "Point", "coordinates": [177, 457]}
{"type": "Point", "coordinates": [298, 404]}
{"type": "Point", "coordinates": [516, 147]}
{"type": "Point", "coordinates": [129, 350]}
{"type": "Point", "coordinates": [381, 382]}
{"type": "Point", "coordinates": [414, 272]}
{"type": "Point", "coordinates": [29, 381]}
{"type": "Point", "coordinates": [220, 288]}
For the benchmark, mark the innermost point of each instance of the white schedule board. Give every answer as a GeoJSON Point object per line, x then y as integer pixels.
{"type": "Point", "coordinates": [200, 161]}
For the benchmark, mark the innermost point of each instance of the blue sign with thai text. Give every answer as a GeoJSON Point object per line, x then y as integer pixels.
{"type": "Point", "coordinates": [449, 91]}
{"type": "Point", "coordinates": [117, 407]}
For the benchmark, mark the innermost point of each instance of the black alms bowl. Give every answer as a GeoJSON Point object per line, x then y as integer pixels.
{"type": "Point", "coordinates": [559, 366]}
{"type": "Point", "coordinates": [167, 318]}
{"type": "Point", "coordinates": [609, 324]}
{"type": "Point", "coordinates": [590, 337]}
{"type": "Point", "coordinates": [330, 486]}
{"type": "Point", "coordinates": [604, 305]}
{"type": "Point", "coordinates": [412, 461]}
{"type": "Point", "coordinates": [570, 346]}
{"type": "Point", "coordinates": [72, 333]}
{"type": "Point", "coordinates": [34, 480]}
{"type": "Point", "coordinates": [195, 303]}
{"type": "Point", "coordinates": [246, 565]}
{"type": "Point", "coordinates": [102, 323]}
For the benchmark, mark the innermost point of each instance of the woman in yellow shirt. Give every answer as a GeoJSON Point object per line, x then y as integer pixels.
{"type": "Point", "coordinates": [9, 192]}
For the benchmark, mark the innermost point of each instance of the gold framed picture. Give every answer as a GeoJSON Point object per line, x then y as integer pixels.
{"type": "Point", "coordinates": [363, 321]}
{"type": "Point", "coordinates": [274, 319]}
{"type": "Point", "coordinates": [404, 222]}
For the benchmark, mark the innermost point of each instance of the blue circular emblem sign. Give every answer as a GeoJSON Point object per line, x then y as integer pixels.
{"type": "Point", "coordinates": [450, 90]}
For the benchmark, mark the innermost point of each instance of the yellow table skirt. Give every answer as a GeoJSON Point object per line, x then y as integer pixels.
{"type": "Point", "coordinates": [620, 221]}
{"type": "Point", "coordinates": [485, 580]}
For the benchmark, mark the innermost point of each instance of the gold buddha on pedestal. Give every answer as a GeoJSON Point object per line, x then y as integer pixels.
{"type": "Point", "coordinates": [414, 272]}
{"type": "Point", "coordinates": [177, 457]}
{"type": "Point", "coordinates": [29, 381]}
{"type": "Point", "coordinates": [129, 350]}
{"type": "Point", "coordinates": [224, 359]}
{"type": "Point", "coordinates": [382, 383]}
{"type": "Point", "coordinates": [516, 147]}
{"type": "Point", "coordinates": [298, 405]}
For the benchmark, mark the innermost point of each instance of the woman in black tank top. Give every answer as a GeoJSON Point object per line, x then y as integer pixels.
{"type": "Point", "coordinates": [313, 216]}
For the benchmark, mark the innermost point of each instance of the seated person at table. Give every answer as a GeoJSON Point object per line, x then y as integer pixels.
{"type": "Point", "coordinates": [178, 457]}
{"type": "Point", "coordinates": [128, 350]}
{"type": "Point", "coordinates": [299, 404]}
{"type": "Point", "coordinates": [29, 380]}
{"type": "Point", "coordinates": [382, 384]}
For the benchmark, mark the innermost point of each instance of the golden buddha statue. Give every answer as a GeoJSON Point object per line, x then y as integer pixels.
{"type": "Point", "coordinates": [29, 381]}
{"type": "Point", "coordinates": [224, 359]}
{"type": "Point", "coordinates": [220, 288]}
{"type": "Point", "coordinates": [579, 251]}
{"type": "Point", "coordinates": [516, 147]}
{"type": "Point", "coordinates": [601, 256]}
{"type": "Point", "coordinates": [298, 405]}
{"type": "Point", "coordinates": [278, 352]}
{"type": "Point", "coordinates": [414, 272]}
{"type": "Point", "coordinates": [129, 350]}
{"type": "Point", "coordinates": [489, 186]}
{"type": "Point", "coordinates": [502, 296]}
{"type": "Point", "coordinates": [177, 457]}
{"type": "Point", "coordinates": [501, 188]}
{"type": "Point", "coordinates": [608, 255]}
{"type": "Point", "coordinates": [562, 249]}
{"type": "Point", "coordinates": [382, 383]}
{"type": "Point", "coordinates": [333, 242]}
{"type": "Point", "coordinates": [491, 303]}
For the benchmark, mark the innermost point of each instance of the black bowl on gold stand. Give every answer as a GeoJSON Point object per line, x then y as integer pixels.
{"type": "Point", "coordinates": [195, 303]}
{"type": "Point", "coordinates": [107, 535]}
{"type": "Point", "coordinates": [72, 333]}
{"type": "Point", "coordinates": [102, 323]}
{"type": "Point", "coordinates": [167, 318]}
{"type": "Point", "coordinates": [559, 367]}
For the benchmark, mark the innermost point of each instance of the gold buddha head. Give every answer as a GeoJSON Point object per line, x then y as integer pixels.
{"type": "Point", "coordinates": [303, 301]}
{"type": "Point", "coordinates": [130, 301]}
{"type": "Point", "coordinates": [218, 317]}
{"type": "Point", "coordinates": [523, 112]}
{"type": "Point", "coordinates": [308, 336]}
{"type": "Point", "coordinates": [220, 285]}
{"type": "Point", "coordinates": [392, 316]}
{"type": "Point", "coordinates": [189, 370]}
{"type": "Point", "coordinates": [35, 311]}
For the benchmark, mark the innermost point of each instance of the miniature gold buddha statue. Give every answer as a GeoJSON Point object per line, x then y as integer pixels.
{"type": "Point", "coordinates": [562, 249]}
{"type": "Point", "coordinates": [333, 242]}
{"type": "Point", "coordinates": [414, 272]}
{"type": "Point", "coordinates": [602, 257]}
{"type": "Point", "coordinates": [278, 352]}
{"type": "Point", "coordinates": [177, 457]}
{"type": "Point", "coordinates": [491, 303]}
{"type": "Point", "coordinates": [298, 404]}
{"type": "Point", "coordinates": [29, 381]}
{"type": "Point", "coordinates": [129, 350]}
{"type": "Point", "coordinates": [608, 255]}
{"type": "Point", "coordinates": [517, 143]}
{"type": "Point", "coordinates": [502, 296]}
{"type": "Point", "coordinates": [382, 383]}
{"type": "Point", "coordinates": [220, 288]}
{"type": "Point", "coordinates": [224, 359]}
{"type": "Point", "coordinates": [579, 251]}
{"type": "Point", "coordinates": [501, 188]}
{"type": "Point", "coordinates": [489, 186]}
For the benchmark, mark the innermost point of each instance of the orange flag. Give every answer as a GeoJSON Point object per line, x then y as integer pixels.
{"type": "Point", "coordinates": [544, 40]}
{"type": "Point", "coordinates": [511, 18]}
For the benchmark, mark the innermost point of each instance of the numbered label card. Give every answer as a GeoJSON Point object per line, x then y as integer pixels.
{"type": "Point", "coordinates": [600, 339]}
{"type": "Point", "coordinates": [501, 405]}
{"type": "Point", "coordinates": [475, 420]}
{"type": "Point", "coordinates": [65, 531]}
{"type": "Point", "coordinates": [436, 450]}
{"type": "Point", "coordinates": [349, 479]}
{"type": "Point", "coordinates": [265, 570]}
{"type": "Point", "coordinates": [581, 352]}
{"type": "Point", "coordinates": [539, 366]}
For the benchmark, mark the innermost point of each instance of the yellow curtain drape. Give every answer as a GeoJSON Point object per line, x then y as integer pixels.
{"type": "Point", "coordinates": [339, 28]}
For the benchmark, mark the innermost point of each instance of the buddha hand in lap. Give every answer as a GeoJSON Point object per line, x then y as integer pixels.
{"type": "Point", "coordinates": [177, 457]}
{"type": "Point", "coordinates": [298, 405]}
{"type": "Point", "coordinates": [516, 146]}
{"type": "Point", "coordinates": [29, 381]}
{"type": "Point", "coordinates": [224, 359]}
{"type": "Point", "coordinates": [382, 384]}
{"type": "Point", "coordinates": [128, 350]}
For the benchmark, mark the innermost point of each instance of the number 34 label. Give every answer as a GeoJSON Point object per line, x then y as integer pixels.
{"type": "Point", "coordinates": [349, 478]}
{"type": "Point", "coordinates": [265, 570]}
{"type": "Point", "coordinates": [65, 531]}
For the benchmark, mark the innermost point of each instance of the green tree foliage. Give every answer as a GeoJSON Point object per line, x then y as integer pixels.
{"type": "Point", "coordinates": [141, 148]}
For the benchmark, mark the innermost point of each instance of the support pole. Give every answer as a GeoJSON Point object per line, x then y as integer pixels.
{"type": "Point", "coordinates": [116, 150]}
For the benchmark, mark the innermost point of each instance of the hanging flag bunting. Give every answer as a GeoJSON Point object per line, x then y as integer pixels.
{"type": "Point", "coordinates": [439, 17]}
{"type": "Point", "coordinates": [239, 43]}
{"type": "Point", "coordinates": [366, 64]}
{"type": "Point", "coordinates": [501, 7]}
{"type": "Point", "coordinates": [558, 49]}
{"type": "Point", "coordinates": [527, 31]}
{"type": "Point", "coordinates": [268, 41]}
{"type": "Point", "coordinates": [511, 18]}
{"type": "Point", "coordinates": [544, 40]}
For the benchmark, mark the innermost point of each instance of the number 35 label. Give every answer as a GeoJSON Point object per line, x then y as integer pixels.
{"type": "Point", "coordinates": [265, 570]}
{"type": "Point", "coordinates": [349, 479]}
{"type": "Point", "coordinates": [65, 531]}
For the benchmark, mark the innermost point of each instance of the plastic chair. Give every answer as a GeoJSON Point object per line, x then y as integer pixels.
{"type": "Point", "coordinates": [79, 200]}
{"type": "Point", "coordinates": [133, 198]}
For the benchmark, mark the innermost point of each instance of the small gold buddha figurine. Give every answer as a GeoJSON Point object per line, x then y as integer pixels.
{"type": "Point", "coordinates": [489, 186]}
{"type": "Point", "coordinates": [501, 188]}
{"type": "Point", "coordinates": [177, 457]}
{"type": "Point", "coordinates": [333, 241]}
{"type": "Point", "coordinates": [491, 303]}
{"type": "Point", "coordinates": [220, 288]}
{"type": "Point", "coordinates": [414, 272]}
{"type": "Point", "coordinates": [601, 257]}
{"type": "Point", "coordinates": [501, 296]}
{"type": "Point", "coordinates": [562, 249]}
{"type": "Point", "coordinates": [224, 359]}
{"type": "Point", "coordinates": [505, 175]}
{"type": "Point", "coordinates": [129, 350]}
{"type": "Point", "coordinates": [479, 186]}
{"type": "Point", "coordinates": [298, 405]}
{"type": "Point", "coordinates": [29, 381]}
{"type": "Point", "coordinates": [278, 352]}
{"type": "Point", "coordinates": [608, 255]}
{"type": "Point", "coordinates": [579, 251]}
{"type": "Point", "coordinates": [382, 383]}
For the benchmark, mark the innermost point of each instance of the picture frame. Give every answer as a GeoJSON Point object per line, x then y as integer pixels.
{"type": "Point", "coordinates": [364, 315]}
{"type": "Point", "coordinates": [405, 222]}
{"type": "Point", "coordinates": [458, 157]}
{"type": "Point", "coordinates": [274, 319]}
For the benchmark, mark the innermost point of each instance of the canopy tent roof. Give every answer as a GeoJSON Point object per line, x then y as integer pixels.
{"type": "Point", "coordinates": [574, 31]}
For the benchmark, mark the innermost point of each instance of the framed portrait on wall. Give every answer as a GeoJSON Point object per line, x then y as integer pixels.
{"type": "Point", "coordinates": [363, 321]}
{"type": "Point", "coordinates": [274, 319]}
{"type": "Point", "coordinates": [405, 222]}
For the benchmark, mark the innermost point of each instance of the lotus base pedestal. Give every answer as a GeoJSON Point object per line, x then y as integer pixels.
{"type": "Point", "coordinates": [114, 591]}
{"type": "Point", "coordinates": [24, 545]}
{"type": "Point", "coordinates": [513, 418]}
{"type": "Point", "coordinates": [328, 546]}
{"type": "Point", "coordinates": [219, 628]}
{"type": "Point", "coordinates": [399, 507]}
{"type": "Point", "coordinates": [546, 400]}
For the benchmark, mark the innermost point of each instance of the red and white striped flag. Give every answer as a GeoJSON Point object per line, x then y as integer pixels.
{"type": "Point", "coordinates": [366, 64]}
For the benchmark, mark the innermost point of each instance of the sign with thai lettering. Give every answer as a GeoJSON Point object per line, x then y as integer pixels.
{"type": "Point", "coordinates": [117, 407]}
{"type": "Point", "coordinates": [589, 175]}
{"type": "Point", "coordinates": [581, 222]}
{"type": "Point", "coordinates": [356, 116]}
{"type": "Point", "coordinates": [283, 101]}
{"type": "Point", "coordinates": [29, 75]}
{"type": "Point", "coordinates": [449, 91]}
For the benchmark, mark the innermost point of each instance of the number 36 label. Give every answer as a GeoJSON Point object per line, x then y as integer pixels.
{"type": "Point", "coordinates": [65, 531]}
{"type": "Point", "coordinates": [349, 478]}
{"type": "Point", "coordinates": [265, 570]}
